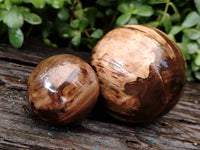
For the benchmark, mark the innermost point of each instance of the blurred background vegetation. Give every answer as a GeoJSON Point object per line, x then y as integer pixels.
{"type": "Point", "coordinates": [79, 24]}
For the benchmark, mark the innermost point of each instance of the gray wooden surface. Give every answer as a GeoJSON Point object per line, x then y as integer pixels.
{"type": "Point", "coordinates": [20, 128]}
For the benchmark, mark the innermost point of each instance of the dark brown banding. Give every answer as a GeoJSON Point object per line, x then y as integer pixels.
{"type": "Point", "coordinates": [63, 85]}
{"type": "Point", "coordinates": [131, 28]}
{"type": "Point", "coordinates": [63, 89]}
{"type": "Point", "coordinates": [141, 72]}
{"type": "Point", "coordinates": [169, 41]}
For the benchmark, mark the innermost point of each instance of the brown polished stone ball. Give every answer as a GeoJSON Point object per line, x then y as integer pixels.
{"type": "Point", "coordinates": [141, 72]}
{"type": "Point", "coordinates": [63, 89]}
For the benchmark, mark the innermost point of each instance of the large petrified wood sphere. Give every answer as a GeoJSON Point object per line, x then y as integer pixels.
{"type": "Point", "coordinates": [62, 89]}
{"type": "Point", "coordinates": [141, 72]}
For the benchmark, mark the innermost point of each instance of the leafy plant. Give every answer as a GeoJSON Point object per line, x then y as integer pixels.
{"type": "Point", "coordinates": [14, 16]}
{"type": "Point", "coordinates": [184, 28]}
{"type": "Point", "coordinates": [130, 14]}
{"type": "Point", "coordinates": [80, 24]}
{"type": "Point", "coordinates": [189, 43]}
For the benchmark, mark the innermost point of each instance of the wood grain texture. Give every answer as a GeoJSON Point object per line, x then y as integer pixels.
{"type": "Point", "coordinates": [141, 72]}
{"type": "Point", "coordinates": [21, 129]}
{"type": "Point", "coordinates": [62, 89]}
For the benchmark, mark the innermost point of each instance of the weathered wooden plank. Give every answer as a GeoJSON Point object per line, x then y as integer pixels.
{"type": "Point", "coordinates": [33, 52]}
{"type": "Point", "coordinates": [20, 128]}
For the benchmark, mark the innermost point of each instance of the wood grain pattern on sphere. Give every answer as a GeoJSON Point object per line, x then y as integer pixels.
{"type": "Point", "coordinates": [62, 89]}
{"type": "Point", "coordinates": [141, 72]}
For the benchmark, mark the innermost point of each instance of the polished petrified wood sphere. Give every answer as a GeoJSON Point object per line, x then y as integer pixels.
{"type": "Point", "coordinates": [62, 89]}
{"type": "Point", "coordinates": [141, 72]}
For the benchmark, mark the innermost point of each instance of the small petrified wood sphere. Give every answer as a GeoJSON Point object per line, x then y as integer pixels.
{"type": "Point", "coordinates": [141, 72]}
{"type": "Point", "coordinates": [63, 89]}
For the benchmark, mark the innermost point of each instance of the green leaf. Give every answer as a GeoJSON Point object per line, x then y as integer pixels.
{"type": "Point", "coordinates": [172, 37]}
{"type": "Point", "coordinates": [153, 24]}
{"type": "Point", "coordinates": [132, 6]}
{"type": "Point", "coordinates": [197, 5]}
{"type": "Point", "coordinates": [63, 14]}
{"type": "Point", "coordinates": [57, 3]}
{"type": "Point", "coordinates": [8, 4]}
{"type": "Point", "coordinates": [76, 40]}
{"type": "Point", "coordinates": [91, 14]}
{"type": "Point", "coordinates": [97, 34]}
{"type": "Point", "coordinates": [1, 1]}
{"type": "Point", "coordinates": [198, 27]}
{"type": "Point", "coordinates": [48, 42]}
{"type": "Point", "coordinates": [78, 6]}
{"type": "Point", "coordinates": [167, 23]}
{"type": "Point", "coordinates": [198, 41]}
{"type": "Point", "coordinates": [184, 50]}
{"type": "Point", "coordinates": [2, 7]}
{"type": "Point", "coordinates": [123, 8]}
{"type": "Point", "coordinates": [75, 23]}
{"type": "Point", "coordinates": [47, 29]}
{"type": "Point", "coordinates": [123, 19]}
{"type": "Point", "coordinates": [83, 24]}
{"type": "Point", "coordinates": [185, 39]}
{"type": "Point", "coordinates": [14, 18]}
{"type": "Point", "coordinates": [153, 2]}
{"type": "Point", "coordinates": [79, 14]}
{"type": "Point", "coordinates": [23, 9]}
{"type": "Point", "coordinates": [133, 20]}
{"type": "Point", "coordinates": [191, 19]}
{"type": "Point", "coordinates": [175, 30]}
{"type": "Point", "coordinates": [3, 12]}
{"type": "Point", "coordinates": [90, 43]}
{"type": "Point", "coordinates": [192, 47]}
{"type": "Point", "coordinates": [16, 1]}
{"type": "Point", "coordinates": [145, 11]}
{"type": "Point", "coordinates": [197, 75]}
{"type": "Point", "coordinates": [32, 18]}
{"type": "Point", "coordinates": [16, 37]}
{"type": "Point", "coordinates": [195, 67]}
{"type": "Point", "coordinates": [38, 3]}
{"type": "Point", "coordinates": [176, 16]}
{"type": "Point", "coordinates": [192, 34]}
{"type": "Point", "coordinates": [64, 30]}
{"type": "Point", "coordinates": [197, 60]}
{"type": "Point", "coordinates": [109, 11]}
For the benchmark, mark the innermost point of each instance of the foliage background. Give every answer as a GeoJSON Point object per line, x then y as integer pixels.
{"type": "Point", "coordinates": [79, 24]}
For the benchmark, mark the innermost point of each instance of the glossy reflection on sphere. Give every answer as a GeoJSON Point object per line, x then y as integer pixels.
{"type": "Point", "coordinates": [141, 72]}
{"type": "Point", "coordinates": [63, 89]}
